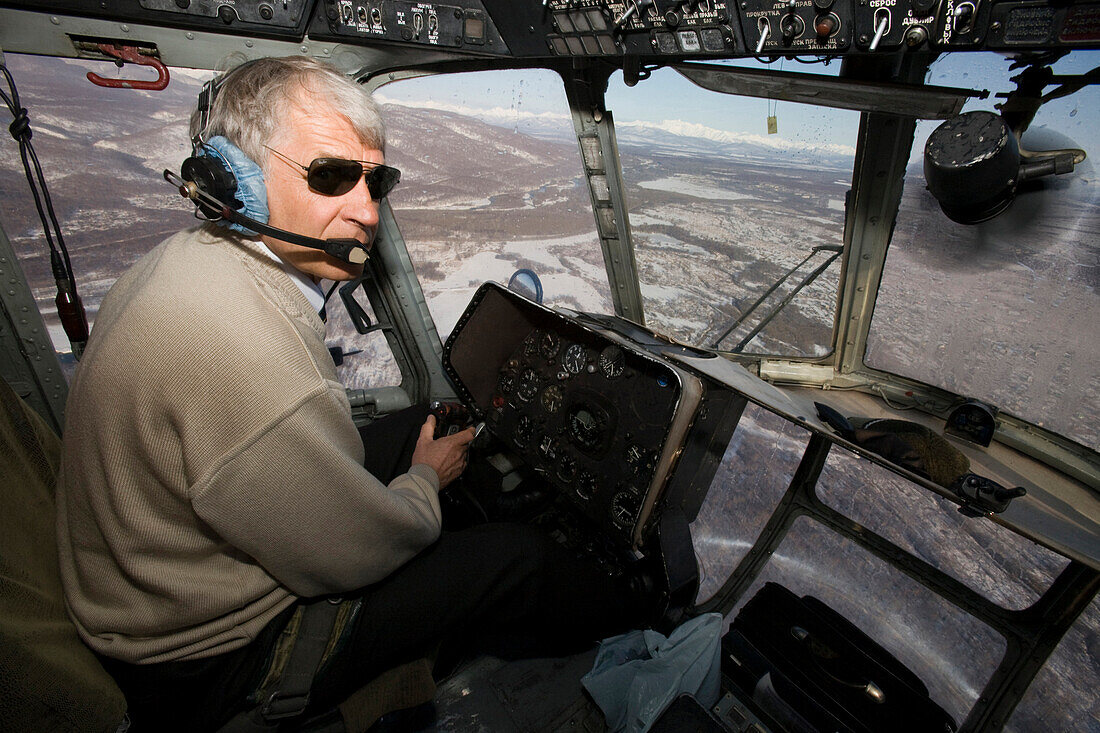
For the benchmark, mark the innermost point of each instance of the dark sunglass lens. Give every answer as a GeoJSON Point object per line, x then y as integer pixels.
{"type": "Point", "coordinates": [333, 177]}
{"type": "Point", "coordinates": [381, 180]}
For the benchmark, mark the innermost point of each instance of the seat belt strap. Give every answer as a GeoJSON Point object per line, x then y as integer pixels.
{"type": "Point", "coordinates": [291, 697]}
{"type": "Point", "coordinates": [291, 694]}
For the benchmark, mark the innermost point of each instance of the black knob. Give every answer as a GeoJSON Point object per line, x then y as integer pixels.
{"type": "Point", "coordinates": [183, 4]}
{"type": "Point", "coordinates": [823, 4]}
{"type": "Point", "coordinates": [266, 12]}
{"type": "Point", "coordinates": [227, 14]}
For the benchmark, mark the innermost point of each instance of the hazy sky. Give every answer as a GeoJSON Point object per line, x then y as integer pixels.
{"type": "Point", "coordinates": [666, 96]}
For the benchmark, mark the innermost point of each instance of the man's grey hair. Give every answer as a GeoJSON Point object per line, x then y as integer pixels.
{"type": "Point", "coordinates": [254, 99]}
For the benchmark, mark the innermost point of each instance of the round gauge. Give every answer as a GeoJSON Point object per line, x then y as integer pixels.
{"type": "Point", "coordinates": [547, 447]}
{"type": "Point", "coordinates": [524, 427]}
{"type": "Point", "coordinates": [624, 509]}
{"type": "Point", "coordinates": [612, 361]}
{"type": "Point", "coordinates": [576, 356]}
{"type": "Point", "coordinates": [586, 428]}
{"type": "Point", "coordinates": [551, 398]}
{"type": "Point", "coordinates": [548, 344]}
{"type": "Point", "coordinates": [528, 385]}
{"type": "Point", "coordinates": [506, 382]}
{"type": "Point", "coordinates": [586, 485]}
{"type": "Point", "coordinates": [567, 468]}
{"type": "Point", "coordinates": [531, 344]}
{"type": "Point", "coordinates": [635, 456]}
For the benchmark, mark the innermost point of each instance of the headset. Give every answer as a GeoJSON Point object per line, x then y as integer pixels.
{"type": "Point", "coordinates": [228, 188]}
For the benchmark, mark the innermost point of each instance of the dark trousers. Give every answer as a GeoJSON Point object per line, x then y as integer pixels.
{"type": "Point", "coordinates": [491, 582]}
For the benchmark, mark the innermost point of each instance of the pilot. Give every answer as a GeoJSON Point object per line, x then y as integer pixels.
{"type": "Point", "coordinates": [213, 481]}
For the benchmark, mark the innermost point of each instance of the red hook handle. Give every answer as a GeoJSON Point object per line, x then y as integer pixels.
{"type": "Point", "coordinates": [134, 56]}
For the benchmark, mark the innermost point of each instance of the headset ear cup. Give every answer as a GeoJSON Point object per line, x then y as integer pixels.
{"type": "Point", "coordinates": [215, 179]}
{"type": "Point", "coordinates": [250, 193]}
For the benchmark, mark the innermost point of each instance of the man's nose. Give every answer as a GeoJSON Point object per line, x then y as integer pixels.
{"type": "Point", "coordinates": [364, 207]}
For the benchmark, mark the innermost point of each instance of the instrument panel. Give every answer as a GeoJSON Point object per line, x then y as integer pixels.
{"type": "Point", "coordinates": [588, 415]}
{"type": "Point", "coordinates": [600, 419]}
{"type": "Point", "coordinates": [643, 30]}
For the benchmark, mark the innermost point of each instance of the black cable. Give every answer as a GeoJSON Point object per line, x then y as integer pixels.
{"type": "Point", "coordinates": [70, 310]}
{"type": "Point", "coordinates": [21, 131]}
{"type": "Point", "coordinates": [770, 59]}
{"type": "Point", "coordinates": [324, 307]}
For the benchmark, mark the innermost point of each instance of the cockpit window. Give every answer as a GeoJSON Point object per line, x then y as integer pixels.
{"type": "Point", "coordinates": [102, 151]}
{"type": "Point", "coordinates": [1066, 684]}
{"type": "Point", "coordinates": [1004, 311]}
{"type": "Point", "coordinates": [491, 183]}
{"type": "Point", "coordinates": [721, 210]}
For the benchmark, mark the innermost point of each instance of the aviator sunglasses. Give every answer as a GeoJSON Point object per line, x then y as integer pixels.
{"type": "Point", "coordinates": [337, 176]}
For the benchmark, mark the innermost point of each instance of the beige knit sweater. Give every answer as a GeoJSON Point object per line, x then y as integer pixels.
{"type": "Point", "coordinates": [211, 472]}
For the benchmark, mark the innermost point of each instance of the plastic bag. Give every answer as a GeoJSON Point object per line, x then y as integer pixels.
{"type": "Point", "coordinates": [638, 674]}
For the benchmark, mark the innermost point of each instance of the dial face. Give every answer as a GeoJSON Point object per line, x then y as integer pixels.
{"type": "Point", "coordinates": [528, 385]}
{"type": "Point", "coordinates": [547, 448]}
{"type": "Point", "coordinates": [531, 344]}
{"type": "Point", "coordinates": [575, 359]}
{"type": "Point", "coordinates": [524, 428]}
{"type": "Point", "coordinates": [635, 456]}
{"type": "Point", "coordinates": [586, 428]}
{"type": "Point", "coordinates": [586, 485]}
{"type": "Point", "coordinates": [551, 398]}
{"type": "Point", "coordinates": [506, 383]}
{"type": "Point", "coordinates": [624, 509]}
{"type": "Point", "coordinates": [612, 361]}
{"type": "Point", "coordinates": [548, 344]}
{"type": "Point", "coordinates": [567, 468]}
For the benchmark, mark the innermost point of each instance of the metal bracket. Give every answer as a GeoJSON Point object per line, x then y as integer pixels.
{"type": "Point", "coordinates": [135, 56]}
{"type": "Point", "coordinates": [983, 497]}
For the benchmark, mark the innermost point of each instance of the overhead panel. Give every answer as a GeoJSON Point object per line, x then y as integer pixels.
{"type": "Point", "coordinates": [651, 31]}
{"type": "Point", "coordinates": [271, 18]}
{"type": "Point", "coordinates": [461, 25]}
{"type": "Point", "coordinates": [587, 28]}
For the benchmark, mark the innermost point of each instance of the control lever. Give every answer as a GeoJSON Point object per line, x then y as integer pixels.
{"type": "Point", "coordinates": [881, 27]}
{"type": "Point", "coordinates": [962, 19]}
{"type": "Point", "coordinates": [765, 31]}
{"type": "Point", "coordinates": [450, 417]}
{"type": "Point", "coordinates": [634, 8]}
{"type": "Point", "coordinates": [788, 26]}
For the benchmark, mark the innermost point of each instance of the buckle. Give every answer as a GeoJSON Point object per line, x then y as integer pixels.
{"type": "Point", "coordinates": [281, 705]}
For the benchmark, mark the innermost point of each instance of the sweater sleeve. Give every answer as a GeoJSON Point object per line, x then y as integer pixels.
{"type": "Point", "coordinates": [296, 499]}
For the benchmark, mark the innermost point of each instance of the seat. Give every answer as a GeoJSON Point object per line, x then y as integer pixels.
{"type": "Point", "coordinates": [48, 679]}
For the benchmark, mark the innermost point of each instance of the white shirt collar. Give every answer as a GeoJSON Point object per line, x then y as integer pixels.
{"type": "Point", "coordinates": [310, 289]}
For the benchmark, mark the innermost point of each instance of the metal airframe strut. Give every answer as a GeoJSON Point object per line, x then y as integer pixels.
{"type": "Point", "coordinates": [584, 88]}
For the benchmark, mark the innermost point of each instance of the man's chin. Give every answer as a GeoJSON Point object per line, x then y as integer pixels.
{"type": "Point", "coordinates": [334, 269]}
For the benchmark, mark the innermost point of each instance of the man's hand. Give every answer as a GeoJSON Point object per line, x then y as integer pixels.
{"type": "Point", "coordinates": [447, 456]}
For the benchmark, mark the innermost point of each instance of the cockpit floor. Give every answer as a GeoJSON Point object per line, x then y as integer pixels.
{"type": "Point", "coordinates": [523, 696]}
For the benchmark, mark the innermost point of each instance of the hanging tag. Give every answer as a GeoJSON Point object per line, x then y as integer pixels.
{"type": "Point", "coordinates": [773, 124]}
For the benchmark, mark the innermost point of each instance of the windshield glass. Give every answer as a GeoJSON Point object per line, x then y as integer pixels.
{"type": "Point", "coordinates": [1003, 311]}
{"type": "Point", "coordinates": [492, 183]}
{"type": "Point", "coordinates": [727, 197]}
{"type": "Point", "coordinates": [102, 151]}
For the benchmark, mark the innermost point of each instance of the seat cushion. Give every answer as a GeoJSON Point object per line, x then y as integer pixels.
{"type": "Point", "coordinates": [48, 679]}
